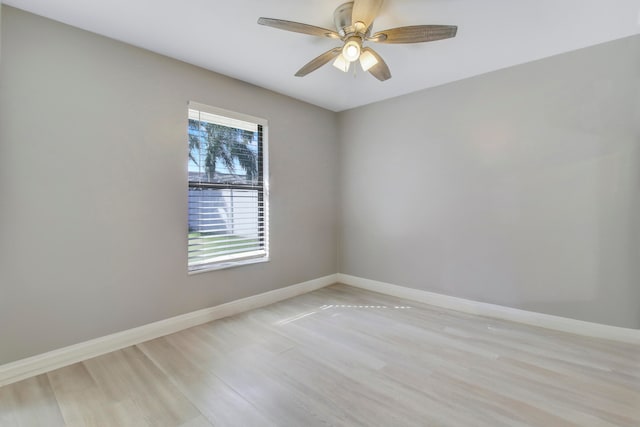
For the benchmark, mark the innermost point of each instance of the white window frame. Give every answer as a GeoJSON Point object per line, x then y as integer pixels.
{"type": "Point", "coordinates": [249, 257]}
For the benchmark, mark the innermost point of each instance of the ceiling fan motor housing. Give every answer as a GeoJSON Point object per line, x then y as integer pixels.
{"type": "Point", "coordinates": [342, 18]}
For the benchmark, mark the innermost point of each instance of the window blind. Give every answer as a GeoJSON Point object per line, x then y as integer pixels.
{"type": "Point", "coordinates": [227, 189]}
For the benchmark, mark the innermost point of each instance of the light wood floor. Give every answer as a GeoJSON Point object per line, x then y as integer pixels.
{"type": "Point", "coordinates": [342, 356]}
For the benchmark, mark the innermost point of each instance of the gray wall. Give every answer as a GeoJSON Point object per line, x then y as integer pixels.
{"type": "Point", "coordinates": [520, 187]}
{"type": "Point", "coordinates": [93, 187]}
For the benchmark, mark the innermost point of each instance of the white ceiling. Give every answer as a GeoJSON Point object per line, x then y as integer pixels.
{"type": "Point", "coordinates": [223, 36]}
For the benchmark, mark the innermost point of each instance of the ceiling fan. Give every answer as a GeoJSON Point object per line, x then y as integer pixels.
{"type": "Point", "coordinates": [353, 23]}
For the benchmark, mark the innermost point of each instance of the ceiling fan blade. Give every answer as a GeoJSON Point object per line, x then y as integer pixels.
{"type": "Point", "coordinates": [365, 11]}
{"type": "Point", "coordinates": [381, 70]}
{"type": "Point", "coordinates": [319, 61]}
{"type": "Point", "coordinates": [298, 27]}
{"type": "Point", "coordinates": [415, 34]}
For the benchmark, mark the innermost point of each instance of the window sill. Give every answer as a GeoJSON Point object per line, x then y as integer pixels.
{"type": "Point", "coordinates": [221, 265]}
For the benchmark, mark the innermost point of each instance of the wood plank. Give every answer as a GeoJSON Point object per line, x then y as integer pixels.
{"type": "Point", "coordinates": [127, 377]}
{"type": "Point", "coordinates": [218, 402]}
{"type": "Point", "coordinates": [29, 403]}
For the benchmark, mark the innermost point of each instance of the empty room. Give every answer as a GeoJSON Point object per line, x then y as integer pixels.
{"type": "Point", "coordinates": [319, 213]}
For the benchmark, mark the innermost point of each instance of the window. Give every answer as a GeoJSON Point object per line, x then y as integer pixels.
{"type": "Point", "coordinates": [227, 189]}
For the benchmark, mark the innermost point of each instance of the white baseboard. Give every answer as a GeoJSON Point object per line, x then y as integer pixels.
{"type": "Point", "coordinates": [39, 364]}
{"type": "Point", "coordinates": [579, 327]}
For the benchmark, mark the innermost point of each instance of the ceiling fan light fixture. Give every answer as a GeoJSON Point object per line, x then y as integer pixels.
{"type": "Point", "coordinates": [367, 60]}
{"type": "Point", "coordinates": [351, 50]}
{"type": "Point", "coordinates": [341, 63]}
